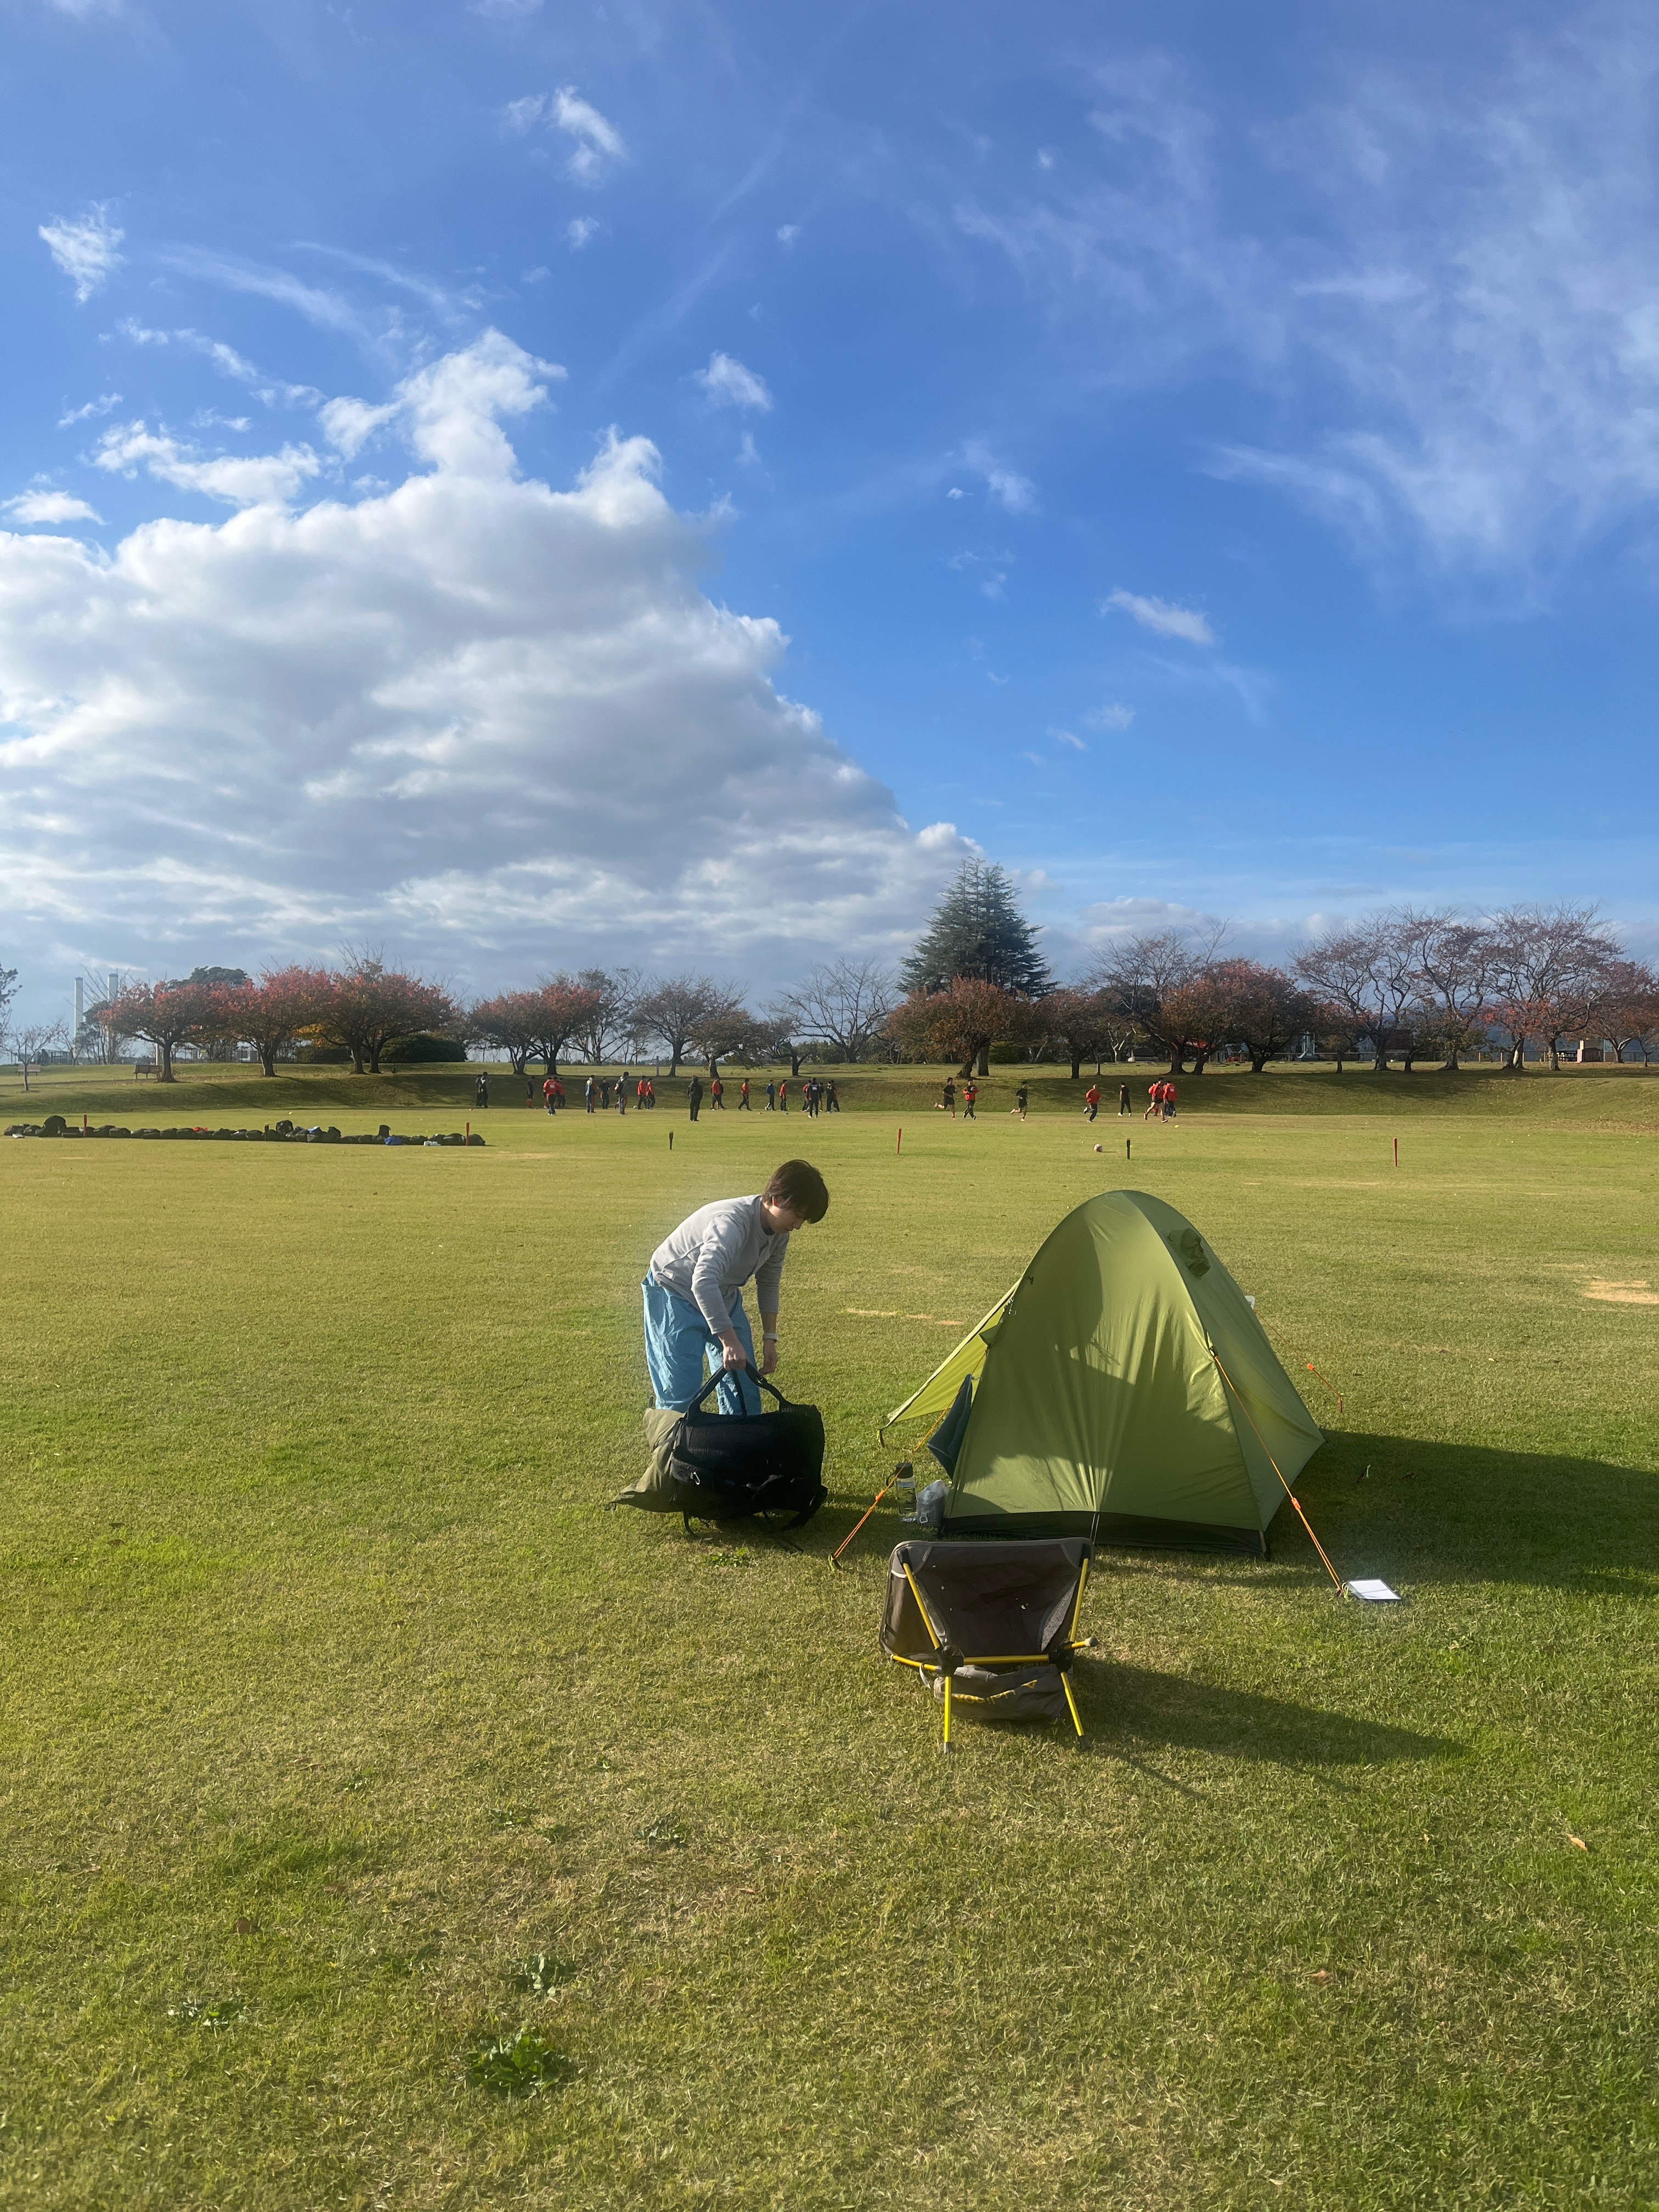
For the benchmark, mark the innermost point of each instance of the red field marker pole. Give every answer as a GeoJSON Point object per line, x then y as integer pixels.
{"type": "Point", "coordinates": [469, 1133]}
{"type": "Point", "coordinates": [1396, 1152]}
{"type": "Point", "coordinates": [899, 1147]}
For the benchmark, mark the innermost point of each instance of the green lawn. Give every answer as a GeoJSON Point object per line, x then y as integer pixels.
{"type": "Point", "coordinates": [332, 1694]}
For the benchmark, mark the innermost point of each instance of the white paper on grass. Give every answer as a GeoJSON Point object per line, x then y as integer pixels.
{"type": "Point", "coordinates": [1377, 1592]}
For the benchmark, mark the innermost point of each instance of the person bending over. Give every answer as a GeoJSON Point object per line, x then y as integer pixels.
{"type": "Point", "coordinates": [693, 1289]}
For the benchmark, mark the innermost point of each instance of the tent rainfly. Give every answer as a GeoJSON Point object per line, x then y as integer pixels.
{"type": "Point", "coordinates": [1124, 1388]}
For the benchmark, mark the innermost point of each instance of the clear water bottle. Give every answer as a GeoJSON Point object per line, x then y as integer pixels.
{"type": "Point", "coordinates": [930, 1507]}
{"type": "Point", "coordinates": [904, 1493]}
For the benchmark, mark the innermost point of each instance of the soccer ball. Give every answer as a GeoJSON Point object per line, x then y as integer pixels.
{"type": "Point", "coordinates": [1100, 1148]}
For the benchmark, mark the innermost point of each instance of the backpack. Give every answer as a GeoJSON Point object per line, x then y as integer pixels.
{"type": "Point", "coordinates": [730, 1467]}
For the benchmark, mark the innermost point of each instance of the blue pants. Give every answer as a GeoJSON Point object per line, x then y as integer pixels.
{"type": "Point", "coordinates": [678, 1342]}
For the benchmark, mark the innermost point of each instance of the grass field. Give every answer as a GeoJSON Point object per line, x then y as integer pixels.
{"type": "Point", "coordinates": [332, 1696]}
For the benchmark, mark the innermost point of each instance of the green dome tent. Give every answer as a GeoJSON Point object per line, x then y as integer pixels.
{"type": "Point", "coordinates": [1125, 1377]}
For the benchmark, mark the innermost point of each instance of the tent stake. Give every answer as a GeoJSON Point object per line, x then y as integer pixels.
{"type": "Point", "coordinates": [1341, 1587]}
{"type": "Point", "coordinates": [902, 1468]}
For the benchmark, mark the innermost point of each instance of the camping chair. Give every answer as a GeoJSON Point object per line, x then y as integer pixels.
{"type": "Point", "coordinates": [994, 1623]}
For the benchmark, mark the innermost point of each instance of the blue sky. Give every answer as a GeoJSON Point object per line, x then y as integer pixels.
{"type": "Point", "coordinates": [527, 485]}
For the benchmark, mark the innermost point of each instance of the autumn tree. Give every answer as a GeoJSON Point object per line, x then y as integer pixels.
{"type": "Point", "coordinates": [163, 1015]}
{"type": "Point", "coordinates": [610, 1024]}
{"type": "Point", "coordinates": [1078, 1023]}
{"type": "Point", "coordinates": [365, 1005]}
{"type": "Point", "coordinates": [962, 1023]}
{"type": "Point", "coordinates": [565, 1008]}
{"type": "Point", "coordinates": [776, 1038]}
{"type": "Point", "coordinates": [1628, 1007]}
{"type": "Point", "coordinates": [1261, 1008]}
{"type": "Point", "coordinates": [1364, 976]}
{"type": "Point", "coordinates": [1454, 961]}
{"type": "Point", "coordinates": [843, 1003]}
{"type": "Point", "coordinates": [507, 1023]}
{"type": "Point", "coordinates": [727, 1028]}
{"type": "Point", "coordinates": [1550, 965]}
{"type": "Point", "coordinates": [679, 1010]}
{"type": "Point", "coordinates": [270, 1014]}
{"type": "Point", "coordinates": [1154, 982]}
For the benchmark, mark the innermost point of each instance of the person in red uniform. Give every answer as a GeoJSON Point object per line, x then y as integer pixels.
{"type": "Point", "coordinates": [1091, 1102]}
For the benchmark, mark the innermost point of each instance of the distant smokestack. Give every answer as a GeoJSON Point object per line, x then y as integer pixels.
{"type": "Point", "coordinates": [80, 1004]}
{"type": "Point", "coordinates": [114, 982]}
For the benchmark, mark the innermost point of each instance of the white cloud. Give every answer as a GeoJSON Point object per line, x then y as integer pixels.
{"type": "Point", "coordinates": [1113, 716]}
{"type": "Point", "coordinates": [239, 480]}
{"type": "Point", "coordinates": [504, 11]}
{"type": "Point", "coordinates": [85, 247]}
{"type": "Point", "coordinates": [729, 384]}
{"type": "Point", "coordinates": [1163, 616]}
{"type": "Point", "coordinates": [520, 116]}
{"type": "Point", "coordinates": [50, 506]}
{"type": "Point", "coordinates": [1013, 493]}
{"type": "Point", "coordinates": [493, 723]}
{"type": "Point", "coordinates": [102, 405]}
{"type": "Point", "coordinates": [328, 311]}
{"type": "Point", "coordinates": [450, 411]}
{"type": "Point", "coordinates": [1455, 302]}
{"type": "Point", "coordinates": [954, 492]}
{"type": "Point", "coordinates": [349, 424]}
{"type": "Point", "coordinates": [788, 233]}
{"type": "Point", "coordinates": [599, 145]}
{"type": "Point", "coordinates": [1068, 738]}
{"type": "Point", "coordinates": [581, 230]}
{"type": "Point", "coordinates": [273, 390]}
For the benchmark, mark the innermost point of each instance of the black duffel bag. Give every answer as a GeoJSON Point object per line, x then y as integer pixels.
{"type": "Point", "coordinates": [729, 1467]}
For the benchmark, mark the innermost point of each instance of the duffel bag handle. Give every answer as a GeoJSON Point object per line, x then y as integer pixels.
{"type": "Point", "coordinates": [718, 1377]}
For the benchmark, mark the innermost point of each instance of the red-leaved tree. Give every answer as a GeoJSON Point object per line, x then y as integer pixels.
{"type": "Point", "coordinates": [963, 1021]}
{"type": "Point", "coordinates": [269, 1015]}
{"type": "Point", "coordinates": [508, 1023]}
{"type": "Point", "coordinates": [164, 1015]}
{"type": "Point", "coordinates": [364, 1006]}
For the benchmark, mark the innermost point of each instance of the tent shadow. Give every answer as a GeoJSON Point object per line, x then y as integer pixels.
{"type": "Point", "coordinates": [1427, 1516]}
{"type": "Point", "coordinates": [1127, 1708]}
{"type": "Point", "coordinates": [1445, 1514]}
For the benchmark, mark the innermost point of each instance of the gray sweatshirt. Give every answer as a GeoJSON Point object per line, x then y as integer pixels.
{"type": "Point", "coordinates": [714, 1251]}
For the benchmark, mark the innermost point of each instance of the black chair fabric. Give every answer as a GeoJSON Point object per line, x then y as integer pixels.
{"type": "Point", "coordinates": [986, 1601]}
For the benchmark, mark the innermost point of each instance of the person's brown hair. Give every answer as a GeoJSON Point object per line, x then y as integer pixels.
{"type": "Point", "coordinates": [797, 1185]}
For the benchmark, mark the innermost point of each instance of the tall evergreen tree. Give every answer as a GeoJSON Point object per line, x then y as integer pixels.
{"type": "Point", "coordinates": [978, 932]}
